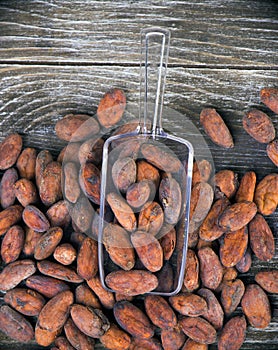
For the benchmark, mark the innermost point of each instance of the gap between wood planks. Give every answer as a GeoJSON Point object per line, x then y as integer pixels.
{"type": "Point", "coordinates": [134, 65]}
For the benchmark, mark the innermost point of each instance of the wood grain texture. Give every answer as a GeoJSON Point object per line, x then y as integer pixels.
{"type": "Point", "coordinates": [61, 56]}
{"type": "Point", "coordinates": [33, 98]}
{"type": "Point", "coordinates": [205, 33]}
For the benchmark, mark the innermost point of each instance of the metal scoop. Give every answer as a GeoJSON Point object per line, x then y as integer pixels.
{"type": "Point", "coordinates": [162, 216]}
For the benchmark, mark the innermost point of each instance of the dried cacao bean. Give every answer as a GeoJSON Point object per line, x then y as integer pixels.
{"type": "Point", "coordinates": [189, 304]}
{"type": "Point", "coordinates": [272, 151]}
{"type": "Point", "coordinates": [211, 270]}
{"type": "Point", "coordinates": [89, 179]}
{"type": "Point", "coordinates": [172, 338]}
{"type": "Point", "coordinates": [170, 197]}
{"type": "Point", "coordinates": [105, 297]}
{"type": "Point", "coordinates": [151, 218]}
{"type": "Point", "coordinates": [35, 219]}
{"type": "Point", "coordinates": [266, 194]}
{"type": "Point", "coordinates": [160, 312]}
{"type": "Point", "coordinates": [256, 307]}
{"type": "Point", "coordinates": [161, 157]}
{"type": "Point", "coordinates": [10, 149]}
{"type": "Point", "coordinates": [55, 312]}
{"type": "Point", "coordinates": [91, 322]}
{"type": "Point", "coordinates": [25, 192]}
{"type": "Point", "coordinates": [268, 280]}
{"type": "Point", "coordinates": [7, 192]}
{"type": "Point", "coordinates": [77, 338]}
{"type": "Point", "coordinates": [269, 96]}
{"type": "Point", "coordinates": [231, 295]}
{"type": "Point", "coordinates": [148, 249]}
{"type": "Point", "coordinates": [117, 243]}
{"type": "Point", "coordinates": [261, 238]}
{"type": "Point", "coordinates": [71, 182]}
{"type": "Point", "coordinates": [124, 173]}
{"type": "Point", "coordinates": [9, 217]}
{"type": "Point", "coordinates": [76, 127]}
{"type": "Point", "coordinates": [65, 254]}
{"type": "Point", "coordinates": [115, 339]}
{"type": "Point", "coordinates": [122, 211]}
{"type": "Point", "coordinates": [15, 325]}
{"type": "Point", "coordinates": [133, 320]}
{"type": "Point", "coordinates": [87, 259]}
{"type": "Point", "coordinates": [12, 244]}
{"type": "Point", "coordinates": [233, 246]}
{"type": "Point", "coordinates": [26, 301]}
{"type": "Point", "coordinates": [85, 296]}
{"type": "Point", "coordinates": [47, 286]}
{"type": "Point", "coordinates": [47, 243]}
{"type": "Point", "coordinates": [214, 313]}
{"type": "Point", "coordinates": [233, 334]}
{"type": "Point", "coordinates": [15, 272]}
{"type": "Point", "coordinates": [216, 128]}
{"type": "Point", "coordinates": [237, 215]}
{"type": "Point", "coordinates": [26, 163]}
{"type": "Point", "coordinates": [132, 282]}
{"type": "Point", "coordinates": [111, 107]}
{"type": "Point", "coordinates": [198, 329]}
{"type": "Point", "coordinates": [259, 126]}
{"type": "Point", "coordinates": [59, 271]}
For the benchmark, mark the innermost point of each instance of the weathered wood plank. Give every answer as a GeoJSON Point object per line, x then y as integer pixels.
{"type": "Point", "coordinates": [33, 98]}
{"type": "Point", "coordinates": [206, 33]}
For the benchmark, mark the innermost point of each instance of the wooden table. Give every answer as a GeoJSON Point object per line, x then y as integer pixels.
{"type": "Point", "coordinates": [61, 56]}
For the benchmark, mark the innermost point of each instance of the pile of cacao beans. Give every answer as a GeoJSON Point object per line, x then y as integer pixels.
{"type": "Point", "coordinates": [49, 280]}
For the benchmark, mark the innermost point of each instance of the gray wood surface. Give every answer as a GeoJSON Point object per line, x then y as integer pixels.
{"type": "Point", "coordinates": [61, 56]}
{"type": "Point", "coordinates": [209, 33]}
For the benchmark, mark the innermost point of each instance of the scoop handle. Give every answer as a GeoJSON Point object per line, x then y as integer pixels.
{"type": "Point", "coordinates": [154, 58]}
